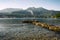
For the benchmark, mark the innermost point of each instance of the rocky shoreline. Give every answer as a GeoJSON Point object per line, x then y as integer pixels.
{"type": "Point", "coordinates": [44, 25]}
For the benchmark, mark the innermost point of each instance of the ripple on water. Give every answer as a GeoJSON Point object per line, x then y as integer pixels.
{"type": "Point", "coordinates": [26, 30]}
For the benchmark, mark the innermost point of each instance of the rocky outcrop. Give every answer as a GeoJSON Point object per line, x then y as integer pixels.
{"type": "Point", "coordinates": [44, 25]}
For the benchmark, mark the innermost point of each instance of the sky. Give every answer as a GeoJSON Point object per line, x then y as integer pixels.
{"type": "Point", "coordinates": [47, 4]}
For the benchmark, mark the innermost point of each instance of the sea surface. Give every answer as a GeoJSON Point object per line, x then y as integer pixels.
{"type": "Point", "coordinates": [12, 28]}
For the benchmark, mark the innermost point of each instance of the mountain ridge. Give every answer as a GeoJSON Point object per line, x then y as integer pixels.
{"type": "Point", "coordinates": [29, 12]}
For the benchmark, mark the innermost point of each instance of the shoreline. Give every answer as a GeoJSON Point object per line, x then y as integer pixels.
{"type": "Point", "coordinates": [44, 25]}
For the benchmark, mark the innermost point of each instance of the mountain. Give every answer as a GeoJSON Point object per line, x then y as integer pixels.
{"type": "Point", "coordinates": [38, 11]}
{"type": "Point", "coordinates": [35, 9]}
{"type": "Point", "coordinates": [29, 12]}
{"type": "Point", "coordinates": [7, 10]}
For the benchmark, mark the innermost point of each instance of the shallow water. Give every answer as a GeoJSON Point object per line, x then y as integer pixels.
{"type": "Point", "coordinates": [14, 27]}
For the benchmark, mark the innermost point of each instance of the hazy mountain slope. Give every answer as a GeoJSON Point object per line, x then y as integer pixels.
{"type": "Point", "coordinates": [29, 12]}
{"type": "Point", "coordinates": [7, 10]}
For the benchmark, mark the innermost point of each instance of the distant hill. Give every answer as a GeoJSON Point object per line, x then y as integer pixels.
{"type": "Point", "coordinates": [9, 10]}
{"type": "Point", "coordinates": [29, 12]}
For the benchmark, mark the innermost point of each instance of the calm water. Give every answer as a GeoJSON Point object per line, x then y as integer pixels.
{"type": "Point", "coordinates": [14, 26]}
